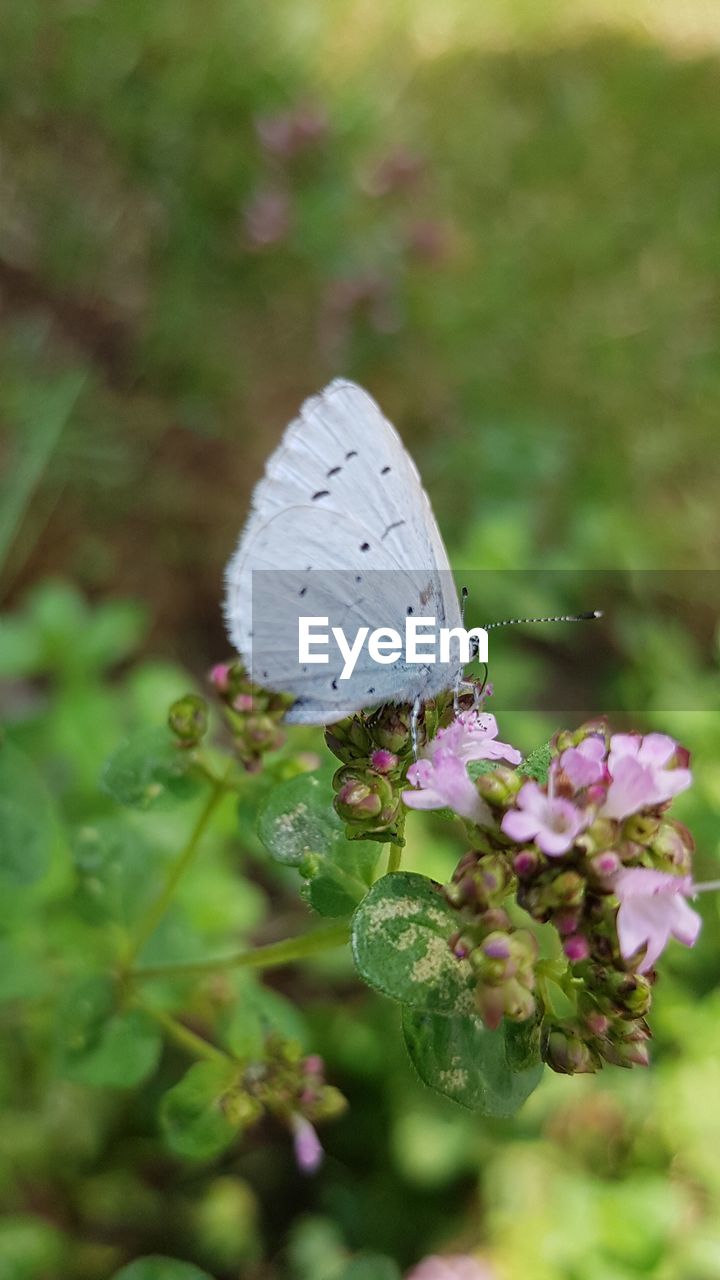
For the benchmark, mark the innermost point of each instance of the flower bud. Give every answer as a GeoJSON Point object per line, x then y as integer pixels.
{"type": "Point", "coordinates": [597, 1023]}
{"type": "Point", "coordinates": [389, 727]}
{"type": "Point", "coordinates": [576, 948]}
{"type": "Point", "coordinates": [383, 761]}
{"type": "Point", "coordinates": [600, 835]}
{"type": "Point", "coordinates": [500, 786]}
{"type": "Point", "coordinates": [603, 866]}
{"type": "Point", "coordinates": [568, 1054]}
{"type": "Point", "coordinates": [364, 797]}
{"type": "Point", "coordinates": [220, 677]}
{"type": "Point", "coordinates": [526, 863]}
{"type": "Point", "coordinates": [348, 739]}
{"type": "Point", "coordinates": [188, 719]}
{"type": "Point", "coordinates": [673, 846]}
{"type": "Point", "coordinates": [566, 889]}
{"type": "Point", "coordinates": [641, 828]}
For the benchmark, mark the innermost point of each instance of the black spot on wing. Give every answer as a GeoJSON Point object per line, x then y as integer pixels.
{"type": "Point", "coordinates": [321, 493]}
{"type": "Point", "coordinates": [334, 471]}
{"type": "Point", "coordinates": [384, 471]}
{"type": "Point", "coordinates": [351, 454]}
{"type": "Point", "coordinates": [302, 591]}
{"type": "Point", "coordinates": [364, 546]}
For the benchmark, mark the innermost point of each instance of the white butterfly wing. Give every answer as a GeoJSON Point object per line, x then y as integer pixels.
{"type": "Point", "coordinates": [340, 494]}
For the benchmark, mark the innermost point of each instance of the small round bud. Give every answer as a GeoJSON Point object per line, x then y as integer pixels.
{"type": "Point", "coordinates": [641, 828]}
{"type": "Point", "coordinates": [603, 866]}
{"type": "Point", "coordinates": [188, 719]}
{"type": "Point", "coordinates": [576, 948]}
{"type": "Point", "coordinates": [383, 761]}
{"type": "Point", "coordinates": [220, 676]}
{"type": "Point", "coordinates": [526, 863]}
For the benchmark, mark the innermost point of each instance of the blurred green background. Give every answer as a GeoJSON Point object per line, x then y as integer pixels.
{"type": "Point", "coordinates": [504, 220]}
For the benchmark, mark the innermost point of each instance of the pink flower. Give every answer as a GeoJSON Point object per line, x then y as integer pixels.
{"type": "Point", "coordinates": [471, 736]}
{"type": "Point", "coordinates": [451, 1267]}
{"type": "Point", "coordinates": [584, 764]}
{"type": "Point", "coordinates": [443, 781]}
{"type": "Point", "coordinates": [652, 909]}
{"type": "Point", "coordinates": [308, 1148]}
{"type": "Point", "coordinates": [553, 823]}
{"type": "Point", "coordinates": [640, 778]}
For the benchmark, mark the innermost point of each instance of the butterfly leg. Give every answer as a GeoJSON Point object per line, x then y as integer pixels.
{"type": "Point", "coordinates": [415, 715]}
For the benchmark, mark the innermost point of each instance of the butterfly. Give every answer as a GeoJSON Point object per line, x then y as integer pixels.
{"type": "Point", "coordinates": [340, 528]}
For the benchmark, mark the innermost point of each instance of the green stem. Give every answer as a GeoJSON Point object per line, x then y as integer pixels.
{"type": "Point", "coordinates": [183, 1036]}
{"type": "Point", "coordinates": [394, 857]}
{"type": "Point", "coordinates": [267, 957]}
{"type": "Point", "coordinates": [395, 853]}
{"type": "Point", "coordinates": [155, 912]}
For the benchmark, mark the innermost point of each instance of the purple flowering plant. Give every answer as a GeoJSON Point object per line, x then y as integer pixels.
{"type": "Point", "coordinates": [542, 949]}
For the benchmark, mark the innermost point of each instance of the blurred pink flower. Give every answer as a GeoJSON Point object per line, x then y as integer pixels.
{"type": "Point", "coordinates": [471, 736]}
{"type": "Point", "coordinates": [640, 776]}
{"type": "Point", "coordinates": [459, 1266]}
{"type": "Point", "coordinates": [308, 1148]}
{"type": "Point", "coordinates": [443, 781]}
{"type": "Point", "coordinates": [652, 910]}
{"type": "Point", "coordinates": [584, 764]}
{"type": "Point", "coordinates": [286, 133]}
{"type": "Point", "coordinates": [268, 217]}
{"type": "Point", "coordinates": [553, 823]}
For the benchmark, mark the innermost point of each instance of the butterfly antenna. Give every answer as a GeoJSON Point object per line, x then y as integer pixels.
{"type": "Point", "coordinates": [563, 617]}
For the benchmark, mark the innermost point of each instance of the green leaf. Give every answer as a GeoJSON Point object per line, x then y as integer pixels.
{"type": "Point", "coordinates": [537, 764]}
{"type": "Point", "coordinates": [114, 631]}
{"type": "Point", "coordinates": [258, 1013]}
{"type": "Point", "coordinates": [99, 1045]}
{"type": "Point", "coordinates": [28, 829]}
{"type": "Point", "coordinates": [371, 1266]}
{"type": "Point", "coordinates": [197, 1116]}
{"type": "Point", "coordinates": [522, 1043]}
{"type": "Point", "coordinates": [400, 936]}
{"type": "Point", "coordinates": [114, 865]}
{"type": "Point", "coordinates": [150, 772]}
{"type": "Point", "coordinates": [460, 1058]}
{"type": "Point", "coordinates": [299, 826]}
{"type": "Point", "coordinates": [158, 1268]}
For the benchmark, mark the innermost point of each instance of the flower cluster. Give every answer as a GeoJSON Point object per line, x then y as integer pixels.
{"type": "Point", "coordinates": [292, 1087]}
{"type": "Point", "coordinates": [253, 715]}
{"type": "Point", "coordinates": [375, 750]}
{"type": "Point", "coordinates": [590, 851]}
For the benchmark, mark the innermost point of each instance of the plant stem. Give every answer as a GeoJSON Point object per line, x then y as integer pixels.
{"type": "Point", "coordinates": [183, 1036]}
{"type": "Point", "coordinates": [395, 853]}
{"type": "Point", "coordinates": [394, 857]}
{"type": "Point", "coordinates": [157, 909]}
{"type": "Point", "coordinates": [267, 957]}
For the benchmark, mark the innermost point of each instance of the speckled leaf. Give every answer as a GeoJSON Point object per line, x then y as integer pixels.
{"type": "Point", "coordinates": [149, 771]}
{"type": "Point", "coordinates": [298, 825]}
{"type": "Point", "coordinates": [461, 1059]}
{"type": "Point", "coordinates": [400, 938]}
